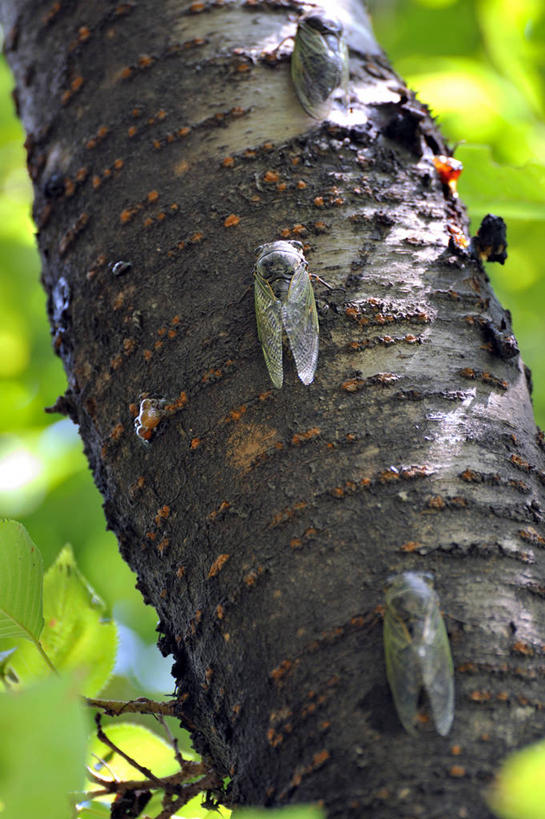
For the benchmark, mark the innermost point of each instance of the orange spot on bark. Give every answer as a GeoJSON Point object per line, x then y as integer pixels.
{"type": "Point", "coordinates": [457, 771]}
{"type": "Point", "coordinates": [218, 564]}
{"type": "Point", "coordinates": [410, 546]}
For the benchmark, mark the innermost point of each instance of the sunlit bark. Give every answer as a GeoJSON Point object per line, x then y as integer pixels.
{"type": "Point", "coordinates": [165, 143]}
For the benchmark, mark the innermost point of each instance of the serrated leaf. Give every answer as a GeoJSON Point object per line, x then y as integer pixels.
{"type": "Point", "coordinates": [519, 790]}
{"type": "Point", "coordinates": [75, 636]}
{"type": "Point", "coordinates": [42, 753]}
{"type": "Point", "coordinates": [21, 576]}
{"type": "Point", "coordinates": [513, 193]}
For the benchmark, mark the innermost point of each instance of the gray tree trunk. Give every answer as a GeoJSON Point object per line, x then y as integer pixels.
{"type": "Point", "coordinates": [262, 524]}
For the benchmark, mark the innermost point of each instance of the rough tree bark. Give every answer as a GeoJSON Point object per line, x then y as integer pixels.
{"type": "Point", "coordinates": [262, 524]}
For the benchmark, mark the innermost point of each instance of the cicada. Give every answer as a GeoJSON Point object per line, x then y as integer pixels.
{"type": "Point", "coordinates": [319, 62]}
{"type": "Point", "coordinates": [284, 298]}
{"type": "Point", "coordinates": [417, 650]}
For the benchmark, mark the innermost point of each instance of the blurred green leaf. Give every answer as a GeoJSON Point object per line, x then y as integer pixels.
{"type": "Point", "coordinates": [42, 753]}
{"type": "Point", "coordinates": [514, 193]}
{"type": "Point", "coordinates": [75, 636]}
{"type": "Point", "coordinates": [519, 790]}
{"type": "Point", "coordinates": [505, 29]}
{"type": "Point", "coordinates": [21, 574]}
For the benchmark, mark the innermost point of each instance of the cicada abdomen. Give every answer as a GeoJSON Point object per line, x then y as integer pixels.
{"type": "Point", "coordinates": [417, 650]}
{"type": "Point", "coordinates": [284, 298]}
{"type": "Point", "coordinates": [319, 62]}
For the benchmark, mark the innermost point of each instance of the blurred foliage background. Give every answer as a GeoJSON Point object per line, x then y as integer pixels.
{"type": "Point", "coordinates": [479, 65]}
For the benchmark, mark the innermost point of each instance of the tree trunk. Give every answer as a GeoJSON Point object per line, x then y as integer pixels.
{"type": "Point", "coordinates": [165, 146]}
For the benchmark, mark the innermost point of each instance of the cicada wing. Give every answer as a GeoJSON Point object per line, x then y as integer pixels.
{"type": "Point", "coordinates": [319, 65]}
{"type": "Point", "coordinates": [268, 313]}
{"type": "Point", "coordinates": [438, 670]}
{"type": "Point", "coordinates": [308, 65]}
{"type": "Point", "coordinates": [402, 669]}
{"type": "Point", "coordinates": [301, 323]}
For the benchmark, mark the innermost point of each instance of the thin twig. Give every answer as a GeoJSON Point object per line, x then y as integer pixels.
{"type": "Point", "coordinates": [189, 791]}
{"type": "Point", "coordinates": [142, 705]}
{"type": "Point", "coordinates": [103, 738]}
{"type": "Point", "coordinates": [170, 806]}
{"type": "Point", "coordinates": [169, 782]}
{"type": "Point", "coordinates": [172, 739]}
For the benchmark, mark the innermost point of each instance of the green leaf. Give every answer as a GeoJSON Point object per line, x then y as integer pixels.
{"type": "Point", "coordinates": [21, 575]}
{"type": "Point", "coordinates": [519, 790]}
{"type": "Point", "coordinates": [138, 742]}
{"type": "Point", "coordinates": [75, 635]}
{"type": "Point", "coordinates": [513, 193]}
{"type": "Point", "coordinates": [296, 812]}
{"type": "Point", "coordinates": [42, 753]}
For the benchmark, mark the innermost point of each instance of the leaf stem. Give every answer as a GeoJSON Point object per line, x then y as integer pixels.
{"type": "Point", "coordinates": [45, 657]}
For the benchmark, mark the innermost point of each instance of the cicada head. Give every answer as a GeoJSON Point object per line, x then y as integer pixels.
{"type": "Point", "coordinates": [319, 22]}
{"type": "Point", "coordinates": [277, 261]}
{"type": "Point", "coordinates": [408, 594]}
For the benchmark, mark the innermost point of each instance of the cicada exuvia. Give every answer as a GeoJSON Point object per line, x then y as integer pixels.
{"type": "Point", "coordinates": [284, 298]}
{"type": "Point", "coordinates": [319, 62]}
{"type": "Point", "coordinates": [417, 650]}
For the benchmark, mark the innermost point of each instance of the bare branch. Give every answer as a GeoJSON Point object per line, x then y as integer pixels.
{"type": "Point", "coordinates": [103, 738]}
{"type": "Point", "coordinates": [142, 705]}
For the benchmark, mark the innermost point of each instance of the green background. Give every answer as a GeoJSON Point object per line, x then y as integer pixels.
{"type": "Point", "coordinates": [479, 65]}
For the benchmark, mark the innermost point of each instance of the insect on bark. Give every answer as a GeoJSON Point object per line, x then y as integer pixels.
{"type": "Point", "coordinates": [417, 650]}
{"type": "Point", "coordinates": [284, 298]}
{"type": "Point", "coordinates": [319, 62]}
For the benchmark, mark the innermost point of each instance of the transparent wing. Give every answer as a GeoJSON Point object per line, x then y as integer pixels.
{"type": "Point", "coordinates": [318, 67]}
{"type": "Point", "coordinates": [301, 322]}
{"type": "Point", "coordinates": [437, 669]}
{"type": "Point", "coordinates": [402, 669]}
{"type": "Point", "coordinates": [268, 313]}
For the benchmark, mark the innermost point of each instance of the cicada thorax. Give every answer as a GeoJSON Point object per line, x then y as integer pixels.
{"type": "Point", "coordinates": [319, 62]}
